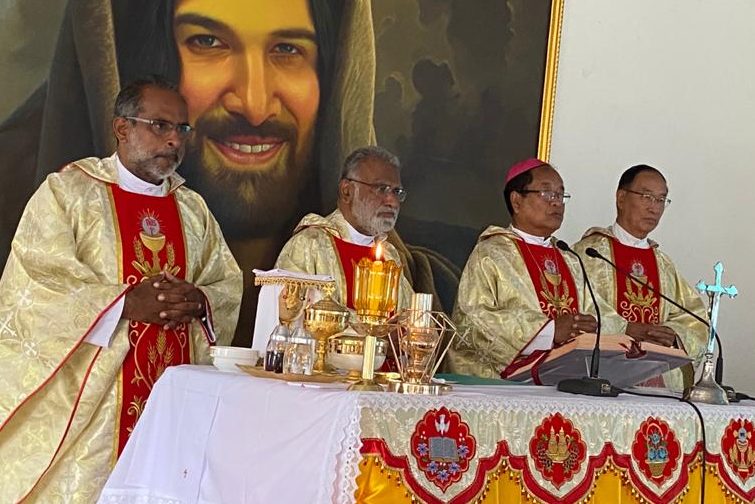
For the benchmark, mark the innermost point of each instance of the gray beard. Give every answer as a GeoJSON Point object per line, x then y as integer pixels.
{"type": "Point", "coordinates": [368, 219]}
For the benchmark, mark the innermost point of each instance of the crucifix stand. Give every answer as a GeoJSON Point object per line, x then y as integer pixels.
{"type": "Point", "coordinates": [706, 390]}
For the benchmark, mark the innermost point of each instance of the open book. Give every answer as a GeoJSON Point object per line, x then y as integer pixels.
{"type": "Point", "coordinates": [623, 361]}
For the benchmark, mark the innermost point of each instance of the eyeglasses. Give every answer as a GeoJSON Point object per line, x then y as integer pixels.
{"type": "Point", "coordinates": [383, 189]}
{"type": "Point", "coordinates": [651, 199]}
{"type": "Point", "coordinates": [163, 128]}
{"type": "Point", "coordinates": [549, 196]}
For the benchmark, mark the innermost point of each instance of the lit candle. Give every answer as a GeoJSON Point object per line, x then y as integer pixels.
{"type": "Point", "coordinates": [376, 282]}
{"type": "Point", "coordinates": [376, 286]}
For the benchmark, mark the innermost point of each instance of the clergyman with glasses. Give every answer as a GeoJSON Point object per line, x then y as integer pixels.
{"type": "Point", "coordinates": [369, 199]}
{"type": "Point", "coordinates": [117, 271]}
{"type": "Point", "coordinates": [519, 294]}
{"type": "Point", "coordinates": [641, 200]}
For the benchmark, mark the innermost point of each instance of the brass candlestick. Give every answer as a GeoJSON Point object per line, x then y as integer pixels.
{"type": "Point", "coordinates": [375, 298]}
{"type": "Point", "coordinates": [424, 336]}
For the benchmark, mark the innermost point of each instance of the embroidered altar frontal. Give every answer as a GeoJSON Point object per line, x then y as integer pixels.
{"type": "Point", "coordinates": [529, 444]}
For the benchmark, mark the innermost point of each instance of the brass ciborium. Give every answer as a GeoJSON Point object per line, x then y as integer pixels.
{"type": "Point", "coordinates": [375, 298]}
{"type": "Point", "coordinates": [323, 319]}
{"type": "Point", "coordinates": [346, 353]}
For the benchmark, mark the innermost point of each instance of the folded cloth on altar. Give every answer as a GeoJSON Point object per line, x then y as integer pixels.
{"type": "Point", "coordinates": [268, 307]}
{"type": "Point", "coordinates": [294, 275]}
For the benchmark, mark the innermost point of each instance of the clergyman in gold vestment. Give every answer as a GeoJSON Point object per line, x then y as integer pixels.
{"type": "Point", "coordinates": [509, 311]}
{"type": "Point", "coordinates": [68, 316]}
{"type": "Point", "coordinates": [369, 200]}
{"type": "Point", "coordinates": [641, 198]}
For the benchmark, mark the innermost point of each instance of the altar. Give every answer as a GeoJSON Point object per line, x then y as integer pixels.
{"type": "Point", "coordinates": [214, 437]}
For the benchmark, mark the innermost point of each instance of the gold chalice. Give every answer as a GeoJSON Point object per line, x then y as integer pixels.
{"type": "Point", "coordinates": [155, 244]}
{"type": "Point", "coordinates": [323, 319]}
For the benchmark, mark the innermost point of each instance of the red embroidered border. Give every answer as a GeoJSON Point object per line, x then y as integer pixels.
{"type": "Point", "coordinates": [719, 463]}
{"type": "Point", "coordinates": [374, 446]}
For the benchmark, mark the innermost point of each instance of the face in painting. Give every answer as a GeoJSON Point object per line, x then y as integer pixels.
{"type": "Point", "coordinates": [249, 76]}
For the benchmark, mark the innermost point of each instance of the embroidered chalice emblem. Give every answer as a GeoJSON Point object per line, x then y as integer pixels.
{"type": "Point", "coordinates": [738, 448]}
{"type": "Point", "coordinates": [152, 237]}
{"type": "Point", "coordinates": [744, 455]}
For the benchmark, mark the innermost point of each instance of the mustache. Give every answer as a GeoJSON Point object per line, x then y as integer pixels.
{"type": "Point", "coordinates": [218, 124]}
{"type": "Point", "coordinates": [387, 209]}
{"type": "Point", "coordinates": [173, 154]}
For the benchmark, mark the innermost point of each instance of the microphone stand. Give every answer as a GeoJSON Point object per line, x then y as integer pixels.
{"type": "Point", "coordinates": [591, 385]}
{"type": "Point", "coordinates": [730, 392]}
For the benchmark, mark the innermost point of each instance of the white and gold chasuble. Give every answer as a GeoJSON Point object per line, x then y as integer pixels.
{"type": "Point", "coordinates": [498, 303]}
{"type": "Point", "coordinates": [630, 304]}
{"type": "Point", "coordinates": [60, 396]}
{"type": "Point", "coordinates": [312, 249]}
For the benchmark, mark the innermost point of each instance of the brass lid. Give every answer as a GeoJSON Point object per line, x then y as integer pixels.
{"type": "Point", "coordinates": [351, 342]}
{"type": "Point", "coordinates": [327, 305]}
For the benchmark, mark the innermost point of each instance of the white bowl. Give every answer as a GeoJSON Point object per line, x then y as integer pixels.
{"type": "Point", "coordinates": [351, 362]}
{"type": "Point", "coordinates": [225, 358]}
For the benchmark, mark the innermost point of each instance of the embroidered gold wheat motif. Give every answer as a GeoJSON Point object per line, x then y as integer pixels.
{"type": "Point", "coordinates": [557, 302]}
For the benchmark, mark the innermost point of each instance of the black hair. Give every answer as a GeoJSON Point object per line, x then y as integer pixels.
{"type": "Point", "coordinates": [517, 184]}
{"type": "Point", "coordinates": [129, 99]}
{"type": "Point", "coordinates": [630, 174]}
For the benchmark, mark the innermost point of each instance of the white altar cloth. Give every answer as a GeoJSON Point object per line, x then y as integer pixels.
{"type": "Point", "coordinates": [209, 437]}
{"type": "Point", "coordinates": [213, 437]}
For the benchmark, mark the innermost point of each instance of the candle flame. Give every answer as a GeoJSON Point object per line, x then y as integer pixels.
{"type": "Point", "coordinates": [379, 252]}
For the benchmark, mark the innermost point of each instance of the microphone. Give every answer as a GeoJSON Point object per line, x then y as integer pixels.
{"type": "Point", "coordinates": [591, 385]}
{"type": "Point", "coordinates": [591, 252]}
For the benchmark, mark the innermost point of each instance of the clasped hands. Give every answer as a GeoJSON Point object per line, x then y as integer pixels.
{"type": "Point", "coordinates": [164, 299]}
{"type": "Point", "coordinates": [658, 334]}
{"type": "Point", "coordinates": [570, 325]}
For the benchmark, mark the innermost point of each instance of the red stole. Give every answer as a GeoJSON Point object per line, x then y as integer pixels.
{"type": "Point", "coordinates": [349, 254]}
{"type": "Point", "coordinates": [551, 278]}
{"type": "Point", "coordinates": [633, 301]}
{"type": "Point", "coordinates": [150, 238]}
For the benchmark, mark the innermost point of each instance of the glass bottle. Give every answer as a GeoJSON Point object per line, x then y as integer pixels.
{"type": "Point", "coordinates": [276, 347]}
{"type": "Point", "coordinates": [299, 353]}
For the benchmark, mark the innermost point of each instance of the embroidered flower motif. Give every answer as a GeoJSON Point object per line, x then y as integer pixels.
{"type": "Point", "coordinates": [463, 451]}
{"type": "Point", "coordinates": [656, 450]}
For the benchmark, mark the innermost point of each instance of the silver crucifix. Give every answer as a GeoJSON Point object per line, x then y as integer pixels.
{"type": "Point", "coordinates": [715, 292]}
{"type": "Point", "coordinates": [706, 389]}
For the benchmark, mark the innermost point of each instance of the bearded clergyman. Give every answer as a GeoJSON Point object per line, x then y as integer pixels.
{"type": "Point", "coordinates": [369, 198]}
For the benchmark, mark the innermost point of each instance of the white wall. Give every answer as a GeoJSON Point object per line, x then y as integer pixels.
{"type": "Point", "coordinates": [670, 83]}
